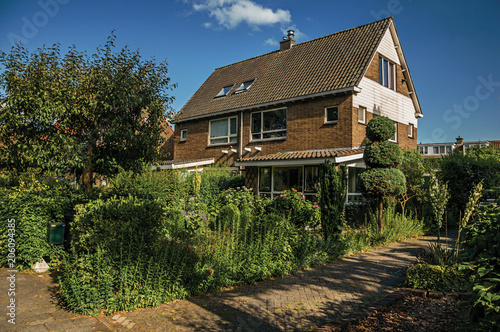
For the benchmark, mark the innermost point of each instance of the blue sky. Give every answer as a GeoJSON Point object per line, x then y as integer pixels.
{"type": "Point", "coordinates": [452, 47]}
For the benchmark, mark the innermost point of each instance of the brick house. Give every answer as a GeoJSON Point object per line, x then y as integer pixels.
{"type": "Point", "coordinates": [278, 116]}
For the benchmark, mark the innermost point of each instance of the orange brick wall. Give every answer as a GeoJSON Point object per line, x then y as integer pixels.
{"type": "Point", "coordinates": [306, 130]}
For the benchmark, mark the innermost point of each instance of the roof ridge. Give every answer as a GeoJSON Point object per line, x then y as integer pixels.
{"type": "Point", "coordinates": [307, 42]}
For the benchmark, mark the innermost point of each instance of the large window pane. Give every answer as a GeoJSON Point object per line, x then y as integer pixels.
{"type": "Point", "coordinates": [386, 75]}
{"type": "Point", "coordinates": [286, 178]}
{"type": "Point", "coordinates": [274, 120]}
{"type": "Point", "coordinates": [218, 128]}
{"type": "Point", "coordinates": [265, 179]}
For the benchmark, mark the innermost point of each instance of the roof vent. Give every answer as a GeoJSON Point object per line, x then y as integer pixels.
{"type": "Point", "coordinates": [287, 42]}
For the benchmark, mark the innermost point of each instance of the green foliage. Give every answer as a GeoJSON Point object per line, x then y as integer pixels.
{"type": "Point", "coordinates": [81, 113]}
{"type": "Point", "coordinates": [332, 198]}
{"type": "Point", "coordinates": [228, 218]}
{"type": "Point", "coordinates": [380, 128]}
{"type": "Point", "coordinates": [413, 168]}
{"type": "Point", "coordinates": [379, 182]}
{"type": "Point", "coordinates": [436, 277]}
{"type": "Point", "coordinates": [438, 196]}
{"type": "Point", "coordinates": [383, 154]}
{"type": "Point", "coordinates": [463, 172]}
{"type": "Point", "coordinates": [481, 251]}
{"type": "Point", "coordinates": [163, 185]}
{"type": "Point", "coordinates": [437, 254]}
{"type": "Point", "coordinates": [33, 206]}
{"type": "Point", "coordinates": [296, 208]}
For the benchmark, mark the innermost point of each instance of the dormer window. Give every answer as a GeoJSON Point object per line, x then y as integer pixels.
{"type": "Point", "coordinates": [224, 91]}
{"type": "Point", "coordinates": [244, 86]}
{"type": "Point", "coordinates": [387, 73]}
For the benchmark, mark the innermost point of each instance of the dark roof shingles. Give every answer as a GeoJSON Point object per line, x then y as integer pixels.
{"type": "Point", "coordinates": [324, 64]}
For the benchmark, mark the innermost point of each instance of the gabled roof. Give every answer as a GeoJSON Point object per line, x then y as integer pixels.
{"type": "Point", "coordinates": [329, 64]}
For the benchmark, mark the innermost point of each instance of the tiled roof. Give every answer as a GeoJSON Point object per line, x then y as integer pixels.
{"type": "Point", "coordinates": [494, 144]}
{"type": "Point", "coordinates": [329, 63]}
{"type": "Point", "coordinates": [310, 154]}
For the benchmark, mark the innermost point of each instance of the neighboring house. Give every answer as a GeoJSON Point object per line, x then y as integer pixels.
{"type": "Point", "coordinates": [444, 149]}
{"type": "Point", "coordinates": [280, 115]}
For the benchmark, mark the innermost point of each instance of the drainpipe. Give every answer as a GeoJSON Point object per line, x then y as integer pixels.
{"type": "Point", "coordinates": [241, 136]}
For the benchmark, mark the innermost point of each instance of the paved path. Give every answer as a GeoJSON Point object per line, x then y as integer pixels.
{"type": "Point", "coordinates": [300, 302]}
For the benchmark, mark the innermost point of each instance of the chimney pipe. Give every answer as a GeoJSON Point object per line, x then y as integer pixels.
{"type": "Point", "coordinates": [287, 42]}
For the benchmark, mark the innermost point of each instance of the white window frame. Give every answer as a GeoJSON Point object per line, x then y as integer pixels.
{"type": "Point", "coordinates": [326, 114]}
{"type": "Point", "coordinates": [222, 93]}
{"type": "Point", "coordinates": [411, 130]}
{"type": "Point", "coordinates": [229, 135]}
{"type": "Point", "coordinates": [262, 132]}
{"type": "Point", "coordinates": [242, 88]}
{"type": "Point", "coordinates": [395, 140]}
{"type": "Point", "coordinates": [184, 134]}
{"type": "Point", "coordinates": [363, 110]}
{"type": "Point", "coordinates": [382, 69]}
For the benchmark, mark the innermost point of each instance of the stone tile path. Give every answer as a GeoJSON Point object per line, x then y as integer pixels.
{"type": "Point", "coordinates": [300, 302]}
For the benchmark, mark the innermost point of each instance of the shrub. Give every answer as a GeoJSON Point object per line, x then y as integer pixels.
{"type": "Point", "coordinates": [382, 154]}
{"type": "Point", "coordinates": [33, 206]}
{"type": "Point", "coordinates": [481, 251]}
{"type": "Point", "coordinates": [332, 197]}
{"type": "Point", "coordinates": [380, 128]}
{"type": "Point", "coordinates": [436, 277]}
{"type": "Point", "coordinates": [383, 182]}
{"type": "Point", "coordinates": [296, 208]}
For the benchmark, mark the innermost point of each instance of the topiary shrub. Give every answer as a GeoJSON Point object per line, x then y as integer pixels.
{"type": "Point", "coordinates": [380, 128]}
{"type": "Point", "coordinates": [383, 154]}
{"type": "Point", "coordinates": [382, 179]}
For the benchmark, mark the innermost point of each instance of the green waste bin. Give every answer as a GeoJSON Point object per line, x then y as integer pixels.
{"type": "Point", "coordinates": [56, 232]}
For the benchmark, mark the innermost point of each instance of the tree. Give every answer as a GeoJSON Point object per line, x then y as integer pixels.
{"type": "Point", "coordinates": [80, 113]}
{"type": "Point", "coordinates": [413, 169]}
{"type": "Point", "coordinates": [332, 198]}
{"type": "Point", "coordinates": [381, 156]}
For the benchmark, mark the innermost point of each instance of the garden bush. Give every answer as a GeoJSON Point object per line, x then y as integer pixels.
{"type": "Point", "coordinates": [296, 208]}
{"type": "Point", "coordinates": [33, 206]}
{"type": "Point", "coordinates": [437, 277]}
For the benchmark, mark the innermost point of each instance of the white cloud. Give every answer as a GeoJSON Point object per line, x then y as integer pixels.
{"type": "Point", "coordinates": [272, 42]}
{"type": "Point", "coordinates": [207, 25]}
{"type": "Point", "coordinates": [231, 13]}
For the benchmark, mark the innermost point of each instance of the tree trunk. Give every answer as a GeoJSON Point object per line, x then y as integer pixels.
{"type": "Point", "coordinates": [87, 171]}
{"type": "Point", "coordinates": [380, 210]}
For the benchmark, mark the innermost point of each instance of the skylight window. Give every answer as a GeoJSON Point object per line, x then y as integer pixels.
{"type": "Point", "coordinates": [244, 86]}
{"type": "Point", "coordinates": [224, 91]}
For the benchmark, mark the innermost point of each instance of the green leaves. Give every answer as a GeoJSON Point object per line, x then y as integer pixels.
{"type": "Point", "coordinates": [77, 111]}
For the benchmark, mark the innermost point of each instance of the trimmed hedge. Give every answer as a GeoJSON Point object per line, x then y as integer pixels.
{"type": "Point", "coordinates": [383, 182]}
{"type": "Point", "coordinates": [436, 277]}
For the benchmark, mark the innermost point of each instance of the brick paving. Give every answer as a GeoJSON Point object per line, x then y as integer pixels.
{"type": "Point", "coordinates": [300, 302]}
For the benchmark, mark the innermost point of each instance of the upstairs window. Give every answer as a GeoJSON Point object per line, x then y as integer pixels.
{"type": "Point", "coordinates": [224, 91]}
{"type": "Point", "coordinates": [332, 114]}
{"type": "Point", "coordinates": [244, 86]}
{"type": "Point", "coordinates": [362, 114]}
{"type": "Point", "coordinates": [395, 137]}
{"type": "Point", "coordinates": [387, 73]}
{"type": "Point", "coordinates": [269, 124]}
{"type": "Point", "coordinates": [223, 131]}
{"type": "Point", "coordinates": [410, 130]}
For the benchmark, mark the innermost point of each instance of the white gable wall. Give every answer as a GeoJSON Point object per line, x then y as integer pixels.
{"type": "Point", "coordinates": [381, 100]}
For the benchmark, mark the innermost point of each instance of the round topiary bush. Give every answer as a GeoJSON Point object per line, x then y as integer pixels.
{"type": "Point", "coordinates": [380, 128]}
{"type": "Point", "coordinates": [379, 182]}
{"type": "Point", "coordinates": [383, 154]}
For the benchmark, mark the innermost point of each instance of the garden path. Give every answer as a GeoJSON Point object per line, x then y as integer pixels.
{"type": "Point", "coordinates": [299, 302]}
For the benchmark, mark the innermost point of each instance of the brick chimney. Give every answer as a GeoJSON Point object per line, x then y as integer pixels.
{"type": "Point", "coordinates": [460, 140]}
{"type": "Point", "coordinates": [288, 41]}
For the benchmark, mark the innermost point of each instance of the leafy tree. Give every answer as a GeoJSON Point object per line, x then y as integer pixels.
{"type": "Point", "coordinates": [439, 196]}
{"type": "Point", "coordinates": [463, 172]}
{"type": "Point", "coordinates": [332, 197]}
{"type": "Point", "coordinates": [80, 113]}
{"type": "Point", "coordinates": [381, 156]}
{"type": "Point", "coordinates": [413, 169]}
